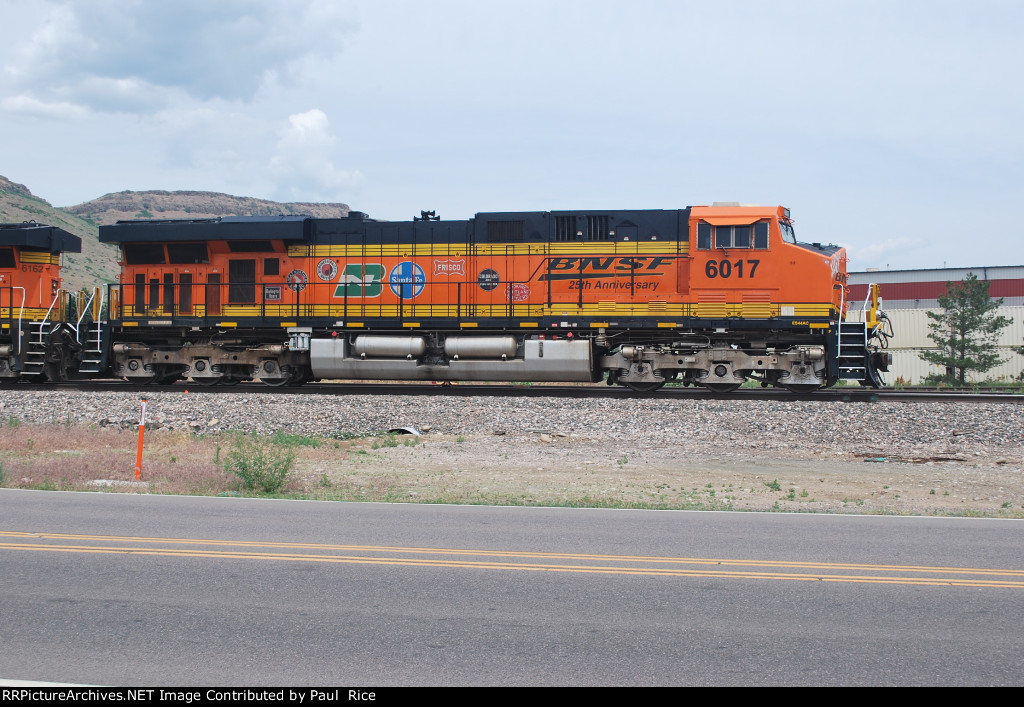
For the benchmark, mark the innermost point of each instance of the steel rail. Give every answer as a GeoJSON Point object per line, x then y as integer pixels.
{"type": "Point", "coordinates": [840, 394]}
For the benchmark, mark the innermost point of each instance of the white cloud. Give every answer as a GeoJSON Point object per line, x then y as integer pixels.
{"type": "Point", "coordinates": [136, 56]}
{"type": "Point", "coordinates": [28, 106]}
{"type": "Point", "coordinates": [303, 168]}
{"type": "Point", "coordinates": [875, 254]}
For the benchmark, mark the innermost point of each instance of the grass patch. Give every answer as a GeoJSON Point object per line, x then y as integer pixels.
{"type": "Point", "coordinates": [261, 464]}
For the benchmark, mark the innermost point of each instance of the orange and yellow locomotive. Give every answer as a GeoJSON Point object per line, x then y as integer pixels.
{"type": "Point", "coordinates": [36, 339]}
{"type": "Point", "coordinates": [708, 295]}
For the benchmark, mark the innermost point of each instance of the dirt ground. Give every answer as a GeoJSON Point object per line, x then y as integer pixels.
{"type": "Point", "coordinates": [526, 469]}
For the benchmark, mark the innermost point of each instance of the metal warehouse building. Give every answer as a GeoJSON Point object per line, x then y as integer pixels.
{"type": "Point", "coordinates": [907, 295]}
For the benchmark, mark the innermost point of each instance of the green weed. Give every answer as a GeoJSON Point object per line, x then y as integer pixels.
{"type": "Point", "coordinates": [260, 464]}
{"type": "Point", "coordinates": [294, 440]}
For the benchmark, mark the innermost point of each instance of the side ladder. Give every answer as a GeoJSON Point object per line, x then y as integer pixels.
{"type": "Point", "coordinates": [92, 348]}
{"type": "Point", "coordinates": [33, 358]}
{"type": "Point", "coordinates": [852, 352]}
{"type": "Point", "coordinates": [90, 334]}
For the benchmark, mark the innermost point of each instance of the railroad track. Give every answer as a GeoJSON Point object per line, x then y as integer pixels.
{"type": "Point", "coordinates": [843, 394]}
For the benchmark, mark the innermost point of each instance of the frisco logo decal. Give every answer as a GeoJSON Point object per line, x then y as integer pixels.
{"type": "Point", "coordinates": [361, 280]}
{"type": "Point", "coordinates": [450, 267]}
{"type": "Point", "coordinates": [407, 280]}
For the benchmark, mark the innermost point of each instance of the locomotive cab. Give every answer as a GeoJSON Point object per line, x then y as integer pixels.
{"type": "Point", "coordinates": [35, 341]}
{"type": "Point", "coordinates": [765, 307]}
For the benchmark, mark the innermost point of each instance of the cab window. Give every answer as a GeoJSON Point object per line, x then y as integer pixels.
{"type": "Point", "coordinates": [761, 235]}
{"type": "Point", "coordinates": [704, 236]}
{"type": "Point", "coordinates": [732, 236]}
{"type": "Point", "coordinates": [743, 236]}
{"type": "Point", "coordinates": [7, 258]}
{"type": "Point", "coordinates": [787, 232]}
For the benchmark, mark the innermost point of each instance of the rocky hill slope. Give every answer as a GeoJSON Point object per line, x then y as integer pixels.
{"type": "Point", "coordinates": [191, 204]}
{"type": "Point", "coordinates": [97, 263]}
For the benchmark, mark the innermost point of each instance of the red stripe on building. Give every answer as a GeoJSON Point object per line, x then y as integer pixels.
{"type": "Point", "coordinates": [932, 290]}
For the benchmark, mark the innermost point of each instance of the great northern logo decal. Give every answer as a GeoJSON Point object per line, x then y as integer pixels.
{"type": "Point", "coordinates": [297, 280]}
{"type": "Point", "coordinates": [361, 280]}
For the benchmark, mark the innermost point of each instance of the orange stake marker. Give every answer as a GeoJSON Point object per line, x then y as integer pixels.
{"type": "Point", "coordinates": [142, 432]}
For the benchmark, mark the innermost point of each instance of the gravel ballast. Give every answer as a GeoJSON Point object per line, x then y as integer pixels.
{"type": "Point", "coordinates": [497, 442]}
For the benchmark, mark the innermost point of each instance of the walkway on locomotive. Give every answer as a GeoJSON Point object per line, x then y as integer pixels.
{"type": "Point", "coordinates": [594, 269]}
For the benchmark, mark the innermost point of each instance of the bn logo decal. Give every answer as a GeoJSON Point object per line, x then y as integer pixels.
{"type": "Point", "coordinates": [361, 280]}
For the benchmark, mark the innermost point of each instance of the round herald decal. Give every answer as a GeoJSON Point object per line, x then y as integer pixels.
{"type": "Point", "coordinates": [297, 280]}
{"type": "Point", "coordinates": [327, 270]}
{"type": "Point", "coordinates": [488, 280]}
{"type": "Point", "coordinates": [407, 280]}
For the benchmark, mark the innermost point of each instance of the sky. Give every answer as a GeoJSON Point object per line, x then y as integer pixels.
{"type": "Point", "coordinates": [894, 128]}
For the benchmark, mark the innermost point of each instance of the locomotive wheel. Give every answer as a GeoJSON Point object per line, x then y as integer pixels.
{"type": "Point", "coordinates": [166, 375]}
{"type": "Point", "coordinates": [276, 382]}
{"type": "Point", "coordinates": [300, 376]}
{"type": "Point", "coordinates": [206, 382]}
{"type": "Point", "coordinates": [801, 387]}
{"type": "Point", "coordinates": [722, 387]}
{"type": "Point", "coordinates": [644, 387]}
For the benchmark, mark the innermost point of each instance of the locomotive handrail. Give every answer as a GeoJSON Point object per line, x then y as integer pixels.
{"type": "Point", "coordinates": [56, 297]}
{"type": "Point", "coordinates": [24, 296]}
{"type": "Point", "coordinates": [98, 314]}
{"type": "Point", "coordinates": [839, 323]}
{"type": "Point", "coordinates": [85, 309]}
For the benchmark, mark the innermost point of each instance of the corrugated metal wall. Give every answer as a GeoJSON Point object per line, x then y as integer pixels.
{"type": "Point", "coordinates": [910, 328]}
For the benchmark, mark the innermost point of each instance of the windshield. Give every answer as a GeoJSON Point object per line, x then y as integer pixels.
{"type": "Point", "coordinates": [787, 232]}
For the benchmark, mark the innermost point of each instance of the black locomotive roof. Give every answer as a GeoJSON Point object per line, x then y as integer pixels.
{"type": "Point", "coordinates": [229, 228]}
{"type": "Point", "coordinates": [39, 236]}
{"type": "Point", "coordinates": [357, 227]}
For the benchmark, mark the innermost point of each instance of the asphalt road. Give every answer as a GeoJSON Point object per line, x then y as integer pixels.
{"type": "Point", "coordinates": [141, 590]}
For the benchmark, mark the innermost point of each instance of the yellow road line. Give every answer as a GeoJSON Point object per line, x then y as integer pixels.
{"type": "Point", "coordinates": [614, 564]}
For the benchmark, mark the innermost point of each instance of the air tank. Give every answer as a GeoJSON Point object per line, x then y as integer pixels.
{"type": "Point", "coordinates": [390, 346]}
{"type": "Point", "coordinates": [480, 346]}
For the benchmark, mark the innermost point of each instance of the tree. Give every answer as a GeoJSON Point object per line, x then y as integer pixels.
{"type": "Point", "coordinates": [965, 331]}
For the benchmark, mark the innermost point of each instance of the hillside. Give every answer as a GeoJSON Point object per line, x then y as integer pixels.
{"type": "Point", "coordinates": [97, 263]}
{"type": "Point", "coordinates": [191, 204]}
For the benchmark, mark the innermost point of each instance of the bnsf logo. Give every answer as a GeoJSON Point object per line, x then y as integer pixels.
{"type": "Point", "coordinates": [575, 268]}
